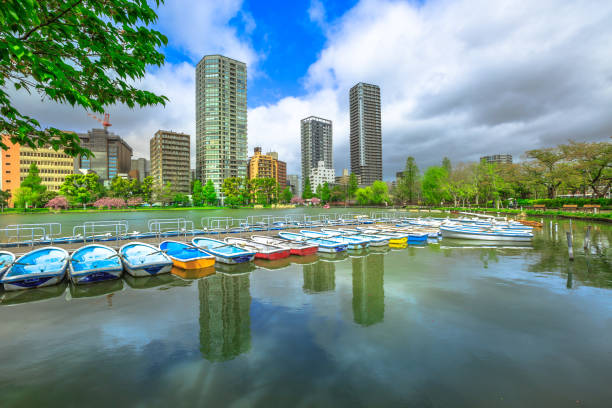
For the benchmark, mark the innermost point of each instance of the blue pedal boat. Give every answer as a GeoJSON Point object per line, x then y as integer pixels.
{"type": "Point", "coordinates": [325, 245]}
{"type": "Point", "coordinates": [373, 240]}
{"type": "Point", "coordinates": [94, 263]}
{"type": "Point", "coordinates": [6, 260]}
{"type": "Point", "coordinates": [224, 252]}
{"type": "Point", "coordinates": [352, 243]}
{"type": "Point", "coordinates": [142, 259]}
{"type": "Point", "coordinates": [38, 268]}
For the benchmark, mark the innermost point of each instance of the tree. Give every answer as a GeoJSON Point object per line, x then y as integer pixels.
{"type": "Point", "coordinates": [380, 193]}
{"type": "Point", "coordinates": [318, 191]}
{"type": "Point", "coordinates": [146, 188]}
{"type": "Point", "coordinates": [307, 193]}
{"type": "Point", "coordinates": [547, 167]}
{"type": "Point", "coordinates": [434, 183]}
{"type": "Point", "coordinates": [325, 193]}
{"type": "Point", "coordinates": [352, 186]}
{"type": "Point", "coordinates": [86, 53]}
{"type": "Point", "coordinates": [120, 188]}
{"type": "Point", "coordinates": [33, 190]}
{"type": "Point", "coordinates": [337, 194]}
{"type": "Point", "coordinates": [446, 163]}
{"type": "Point", "coordinates": [81, 188]}
{"type": "Point", "coordinates": [197, 193]}
{"type": "Point", "coordinates": [233, 191]}
{"type": "Point", "coordinates": [408, 184]}
{"type": "Point", "coordinates": [364, 195]}
{"type": "Point", "coordinates": [286, 195]}
{"type": "Point", "coordinates": [5, 196]}
{"type": "Point", "coordinates": [593, 164]}
{"type": "Point", "coordinates": [180, 199]}
{"type": "Point", "coordinates": [57, 203]}
{"type": "Point", "coordinates": [209, 193]}
{"type": "Point", "coordinates": [165, 194]}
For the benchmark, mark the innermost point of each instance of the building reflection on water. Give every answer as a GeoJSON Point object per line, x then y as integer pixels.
{"type": "Point", "coordinates": [319, 276]}
{"type": "Point", "coordinates": [368, 291]}
{"type": "Point", "coordinates": [225, 321]}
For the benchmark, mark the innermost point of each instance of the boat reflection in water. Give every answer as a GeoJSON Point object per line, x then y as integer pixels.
{"type": "Point", "coordinates": [33, 295]}
{"type": "Point", "coordinates": [368, 290]}
{"type": "Point", "coordinates": [147, 282]}
{"type": "Point", "coordinates": [94, 290]}
{"type": "Point", "coordinates": [190, 274]}
{"type": "Point", "coordinates": [225, 320]}
{"type": "Point", "coordinates": [319, 277]}
{"type": "Point", "coordinates": [333, 257]}
{"type": "Point", "coordinates": [272, 264]}
{"type": "Point", "coordinates": [304, 260]}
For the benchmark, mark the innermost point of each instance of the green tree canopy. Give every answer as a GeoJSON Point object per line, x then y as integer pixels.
{"type": "Point", "coordinates": [146, 189]}
{"type": "Point", "coordinates": [209, 193]}
{"type": "Point", "coordinates": [352, 186]}
{"type": "Point", "coordinates": [286, 195]}
{"type": "Point", "coordinates": [87, 53]}
{"type": "Point", "coordinates": [31, 191]}
{"type": "Point", "coordinates": [434, 185]}
{"type": "Point", "coordinates": [408, 185]}
{"type": "Point", "coordinates": [197, 193]}
{"type": "Point", "coordinates": [325, 193]}
{"type": "Point", "coordinates": [81, 188]}
{"type": "Point", "coordinates": [307, 193]}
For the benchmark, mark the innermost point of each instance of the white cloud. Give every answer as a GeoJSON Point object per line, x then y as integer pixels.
{"type": "Point", "coordinates": [200, 27]}
{"type": "Point", "coordinates": [459, 78]}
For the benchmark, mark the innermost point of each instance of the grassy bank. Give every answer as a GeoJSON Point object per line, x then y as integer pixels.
{"type": "Point", "coordinates": [605, 217]}
{"type": "Point", "coordinates": [96, 210]}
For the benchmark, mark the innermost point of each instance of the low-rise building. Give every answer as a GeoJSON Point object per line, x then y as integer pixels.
{"type": "Point", "coordinates": [498, 158]}
{"type": "Point", "coordinates": [321, 175]}
{"type": "Point", "coordinates": [267, 166]}
{"type": "Point", "coordinates": [293, 182]}
{"type": "Point", "coordinates": [15, 163]}
{"type": "Point", "coordinates": [141, 168]}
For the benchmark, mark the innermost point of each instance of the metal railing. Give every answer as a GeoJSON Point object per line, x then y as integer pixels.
{"type": "Point", "coordinates": [170, 226]}
{"type": "Point", "coordinates": [30, 233]}
{"type": "Point", "coordinates": [102, 230]}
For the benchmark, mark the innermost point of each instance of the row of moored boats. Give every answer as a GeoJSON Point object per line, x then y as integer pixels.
{"type": "Point", "coordinates": [93, 263]}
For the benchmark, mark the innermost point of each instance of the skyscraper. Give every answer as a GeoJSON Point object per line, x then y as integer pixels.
{"type": "Point", "coordinates": [221, 119]}
{"type": "Point", "coordinates": [112, 155]}
{"type": "Point", "coordinates": [366, 136]}
{"type": "Point", "coordinates": [316, 144]}
{"type": "Point", "coordinates": [170, 158]}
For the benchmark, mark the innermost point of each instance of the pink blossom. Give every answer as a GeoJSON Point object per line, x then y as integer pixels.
{"type": "Point", "coordinates": [57, 203]}
{"type": "Point", "coordinates": [110, 202]}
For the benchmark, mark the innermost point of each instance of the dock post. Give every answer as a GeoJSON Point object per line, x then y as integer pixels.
{"type": "Point", "coordinates": [570, 248]}
{"type": "Point", "coordinates": [587, 238]}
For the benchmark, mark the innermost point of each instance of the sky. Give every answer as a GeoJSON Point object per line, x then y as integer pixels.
{"type": "Point", "coordinates": [458, 78]}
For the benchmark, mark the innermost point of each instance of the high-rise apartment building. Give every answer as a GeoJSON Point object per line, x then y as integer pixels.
{"type": "Point", "coordinates": [53, 166]}
{"type": "Point", "coordinates": [112, 155]}
{"type": "Point", "coordinates": [170, 158]}
{"type": "Point", "coordinates": [498, 158]}
{"type": "Point", "coordinates": [316, 134]}
{"type": "Point", "coordinates": [221, 119]}
{"type": "Point", "coordinates": [365, 136]}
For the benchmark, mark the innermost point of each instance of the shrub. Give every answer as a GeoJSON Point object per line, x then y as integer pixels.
{"type": "Point", "coordinates": [110, 203]}
{"type": "Point", "coordinates": [57, 203]}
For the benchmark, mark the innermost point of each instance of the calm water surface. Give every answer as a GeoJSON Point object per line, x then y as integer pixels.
{"type": "Point", "coordinates": [449, 324]}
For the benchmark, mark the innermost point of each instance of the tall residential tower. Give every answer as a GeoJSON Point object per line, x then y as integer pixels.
{"type": "Point", "coordinates": [366, 136]}
{"type": "Point", "coordinates": [170, 153]}
{"type": "Point", "coordinates": [316, 144]}
{"type": "Point", "coordinates": [221, 119]}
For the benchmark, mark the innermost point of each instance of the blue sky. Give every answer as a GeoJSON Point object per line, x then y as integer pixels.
{"type": "Point", "coordinates": [458, 78]}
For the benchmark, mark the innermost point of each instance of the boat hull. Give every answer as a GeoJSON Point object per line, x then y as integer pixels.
{"type": "Point", "coordinates": [272, 256]}
{"type": "Point", "coordinates": [148, 269]}
{"type": "Point", "coordinates": [304, 251]}
{"type": "Point", "coordinates": [95, 275]}
{"type": "Point", "coordinates": [34, 282]}
{"type": "Point", "coordinates": [484, 236]}
{"type": "Point", "coordinates": [193, 263]}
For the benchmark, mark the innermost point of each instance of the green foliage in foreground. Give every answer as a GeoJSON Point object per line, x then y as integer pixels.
{"type": "Point", "coordinates": [87, 53]}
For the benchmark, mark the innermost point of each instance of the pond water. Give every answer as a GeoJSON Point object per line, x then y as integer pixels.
{"type": "Point", "coordinates": [447, 324]}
